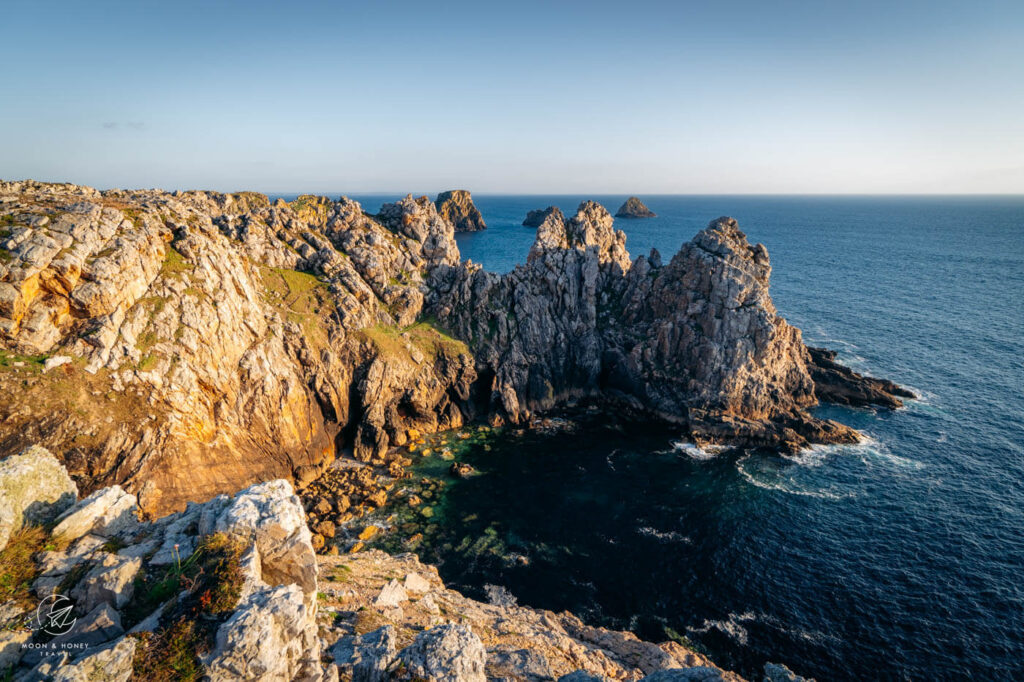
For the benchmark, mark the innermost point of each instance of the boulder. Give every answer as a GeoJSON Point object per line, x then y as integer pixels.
{"type": "Point", "coordinates": [634, 208]}
{"type": "Point", "coordinates": [446, 653]}
{"type": "Point", "coordinates": [271, 636]}
{"type": "Point", "coordinates": [271, 516]}
{"type": "Point", "coordinates": [108, 512]}
{"type": "Point", "coordinates": [112, 663]}
{"type": "Point", "coordinates": [34, 489]}
{"type": "Point", "coordinates": [391, 595]}
{"type": "Point", "coordinates": [776, 672]}
{"type": "Point", "coordinates": [368, 657]}
{"type": "Point", "coordinates": [700, 673]}
{"type": "Point", "coordinates": [111, 581]}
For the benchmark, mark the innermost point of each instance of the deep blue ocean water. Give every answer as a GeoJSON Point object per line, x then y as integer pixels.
{"type": "Point", "coordinates": [900, 558]}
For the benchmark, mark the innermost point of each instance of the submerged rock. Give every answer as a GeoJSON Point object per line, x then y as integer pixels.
{"type": "Point", "coordinates": [634, 208]}
{"type": "Point", "coordinates": [457, 207]}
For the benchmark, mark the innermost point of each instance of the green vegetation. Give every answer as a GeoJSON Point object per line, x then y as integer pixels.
{"type": "Point", "coordinates": [426, 335]}
{"type": "Point", "coordinates": [17, 569]}
{"type": "Point", "coordinates": [175, 264]}
{"type": "Point", "coordinates": [301, 298]}
{"type": "Point", "coordinates": [7, 221]}
{"type": "Point", "coordinates": [212, 580]}
{"type": "Point", "coordinates": [32, 361]}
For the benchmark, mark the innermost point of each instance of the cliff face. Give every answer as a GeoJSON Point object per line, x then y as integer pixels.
{"type": "Point", "coordinates": [218, 335]}
{"type": "Point", "coordinates": [456, 206]}
{"type": "Point", "coordinates": [189, 344]}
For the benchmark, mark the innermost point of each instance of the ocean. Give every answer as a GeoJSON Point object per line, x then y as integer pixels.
{"type": "Point", "coordinates": [899, 558]}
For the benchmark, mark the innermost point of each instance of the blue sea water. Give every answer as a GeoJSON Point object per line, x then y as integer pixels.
{"type": "Point", "coordinates": [899, 558]}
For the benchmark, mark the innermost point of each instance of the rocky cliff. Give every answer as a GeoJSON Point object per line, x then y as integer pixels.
{"type": "Point", "coordinates": [144, 334]}
{"type": "Point", "coordinates": [537, 217]}
{"type": "Point", "coordinates": [230, 589]}
{"type": "Point", "coordinates": [634, 208]}
{"type": "Point", "coordinates": [456, 206]}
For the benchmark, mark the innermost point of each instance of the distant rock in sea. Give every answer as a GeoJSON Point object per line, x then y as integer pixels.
{"type": "Point", "coordinates": [456, 206]}
{"type": "Point", "coordinates": [537, 217]}
{"type": "Point", "coordinates": [634, 208]}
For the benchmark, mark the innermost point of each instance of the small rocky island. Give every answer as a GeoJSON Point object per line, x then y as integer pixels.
{"type": "Point", "coordinates": [537, 217]}
{"type": "Point", "coordinates": [457, 207]}
{"type": "Point", "coordinates": [634, 208]}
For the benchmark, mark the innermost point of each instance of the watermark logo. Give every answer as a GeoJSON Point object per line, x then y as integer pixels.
{"type": "Point", "coordinates": [53, 616]}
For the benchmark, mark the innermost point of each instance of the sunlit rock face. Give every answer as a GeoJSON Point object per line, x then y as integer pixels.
{"type": "Point", "coordinates": [188, 344]}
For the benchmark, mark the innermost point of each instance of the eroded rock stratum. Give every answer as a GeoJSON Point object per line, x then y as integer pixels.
{"type": "Point", "coordinates": [188, 344]}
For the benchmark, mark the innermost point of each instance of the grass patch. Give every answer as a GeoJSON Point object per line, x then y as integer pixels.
{"type": "Point", "coordinates": [426, 335]}
{"type": "Point", "coordinates": [175, 265]}
{"type": "Point", "coordinates": [301, 297]}
{"type": "Point", "coordinates": [34, 361]}
{"type": "Point", "coordinates": [17, 569]}
{"type": "Point", "coordinates": [8, 221]}
{"type": "Point", "coordinates": [212, 581]}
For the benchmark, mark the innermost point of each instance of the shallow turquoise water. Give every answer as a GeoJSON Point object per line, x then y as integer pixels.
{"type": "Point", "coordinates": [900, 558]}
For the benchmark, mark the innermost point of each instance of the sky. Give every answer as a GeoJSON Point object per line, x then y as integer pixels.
{"type": "Point", "coordinates": [516, 97]}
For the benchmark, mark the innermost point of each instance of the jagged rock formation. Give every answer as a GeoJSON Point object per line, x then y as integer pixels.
{"type": "Point", "coordinates": [231, 590]}
{"type": "Point", "coordinates": [696, 341]}
{"type": "Point", "coordinates": [537, 217]}
{"type": "Point", "coordinates": [145, 334]}
{"type": "Point", "coordinates": [456, 206]}
{"type": "Point", "coordinates": [634, 208]}
{"type": "Point", "coordinates": [218, 335]}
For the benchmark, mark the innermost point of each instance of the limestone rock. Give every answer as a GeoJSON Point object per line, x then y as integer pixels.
{"type": "Point", "coordinates": [391, 595]}
{"type": "Point", "coordinates": [271, 636]}
{"type": "Point", "coordinates": [446, 653]}
{"type": "Point", "coordinates": [456, 206]}
{"type": "Point", "coordinates": [271, 516]}
{"type": "Point", "coordinates": [106, 513]}
{"type": "Point", "coordinates": [111, 581]}
{"type": "Point", "coordinates": [34, 489]}
{"type": "Point", "coordinates": [368, 657]}
{"type": "Point", "coordinates": [697, 674]}
{"type": "Point", "coordinates": [112, 663]}
{"type": "Point", "coordinates": [634, 208]}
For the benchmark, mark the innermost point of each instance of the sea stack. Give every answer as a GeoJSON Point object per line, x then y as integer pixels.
{"type": "Point", "coordinates": [634, 208]}
{"type": "Point", "coordinates": [456, 206]}
{"type": "Point", "coordinates": [537, 217]}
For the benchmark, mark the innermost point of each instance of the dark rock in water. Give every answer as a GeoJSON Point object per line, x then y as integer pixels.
{"type": "Point", "coordinates": [461, 470]}
{"type": "Point", "coordinates": [835, 383]}
{"type": "Point", "coordinates": [536, 217]}
{"type": "Point", "coordinates": [456, 206]}
{"type": "Point", "coordinates": [634, 208]}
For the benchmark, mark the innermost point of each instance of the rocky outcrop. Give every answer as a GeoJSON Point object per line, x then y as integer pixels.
{"type": "Point", "coordinates": [696, 341]}
{"type": "Point", "coordinates": [244, 598]}
{"type": "Point", "coordinates": [634, 208]}
{"type": "Point", "coordinates": [436, 633]}
{"type": "Point", "coordinates": [537, 217]}
{"type": "Point", "coordinates": [237, 594]}
{"type": "Point", "coordinates": [147, 333]}
{"type": "Point", "coordinates": [218, 334]}
{"type": "Point", "coordinates": [456, 206]}
{"type": "Point", "coordinates": [835, 383]}
{"type": "Point", "coordinates": [34, 489]}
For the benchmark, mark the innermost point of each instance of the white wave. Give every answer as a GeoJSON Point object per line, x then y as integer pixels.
{"type": "Point", "coordinates": [783, 487]}
{"type": "Point", "coordinates": [663, 535]}
{"type": "Point", "coordinates": [694, 451]}
{"type": "Point", "coordinates": [730, 626]}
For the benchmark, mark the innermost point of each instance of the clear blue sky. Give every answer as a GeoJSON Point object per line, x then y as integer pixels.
{"type": "Point", "coordinates": [516, 97]}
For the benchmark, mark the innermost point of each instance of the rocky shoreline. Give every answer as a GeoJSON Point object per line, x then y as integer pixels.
{"type": "Point", "coordinates": [231, 589]}
{"type": "Point", "coordinates": [147, 333]}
